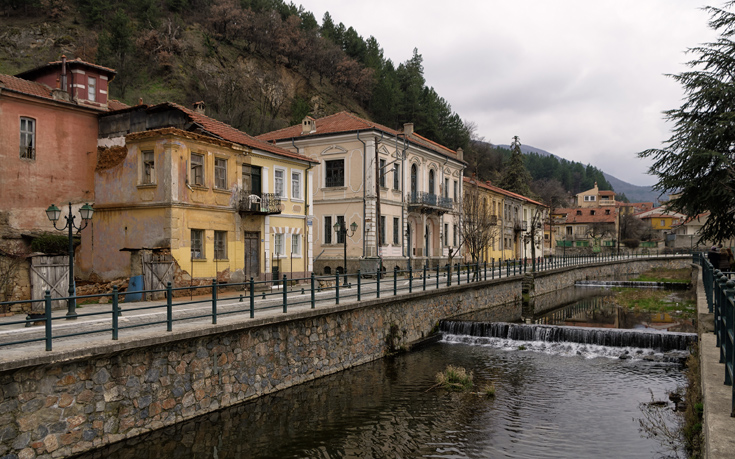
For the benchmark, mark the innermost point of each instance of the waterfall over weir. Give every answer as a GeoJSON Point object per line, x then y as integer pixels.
{"type": "Point", "coordinates": [643, 339]}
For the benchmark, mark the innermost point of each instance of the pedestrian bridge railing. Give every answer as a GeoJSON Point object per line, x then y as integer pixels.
{"type": "Point", "coordinates": [253, 298]}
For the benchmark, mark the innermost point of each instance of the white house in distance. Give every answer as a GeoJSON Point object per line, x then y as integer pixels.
{"type": "Point", "coordinates": [400, 192]}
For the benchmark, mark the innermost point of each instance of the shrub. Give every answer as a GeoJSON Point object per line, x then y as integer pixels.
{"type": "Point", "coordinates": [631, 243]}
{"type": "Point", "coordinates": [455, 379]}
{"type": "Point", "coordinates": [52, 244]}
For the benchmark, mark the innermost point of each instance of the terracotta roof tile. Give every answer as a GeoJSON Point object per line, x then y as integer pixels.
{"type": "Point", "coordinates": [499, 190]}
{"type": "Point", "coordinates": [347, 122]}
{"type": "Point", "coordinates": [71, 62]}
{"type": "Point", "coordinates": [227, 132]}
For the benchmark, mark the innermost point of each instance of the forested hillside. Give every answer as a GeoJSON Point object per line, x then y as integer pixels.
{"type": "Point", "coordinates": [258, 65]}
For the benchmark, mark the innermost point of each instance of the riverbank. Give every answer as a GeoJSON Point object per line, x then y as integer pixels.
{"type": "Point", "coordinates": [719, 427]}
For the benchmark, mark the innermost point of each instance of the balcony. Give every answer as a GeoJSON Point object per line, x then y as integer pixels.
{"type": "Point", "coordinates": [520, 225]}
{"type": "Point", "coordinates": [493, 220]}
{"type": "Point", "coordinates": [428, 203]}
{"type": "Point", "coordinates": [259, 204]}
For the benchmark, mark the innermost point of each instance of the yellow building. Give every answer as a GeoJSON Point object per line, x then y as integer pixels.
{"type": "Point", "coordinates": [219, 203]}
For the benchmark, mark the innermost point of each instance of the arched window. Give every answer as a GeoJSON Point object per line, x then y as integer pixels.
{"type": "Point", "coordinates": [414, 179]}
{"type": "Point", "coordinates": [431, 181]}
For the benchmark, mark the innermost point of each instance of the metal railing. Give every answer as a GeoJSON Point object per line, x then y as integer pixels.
{"type": "Point", "coordinates": [259, 203]}
{"type": "Point", "coordinates": [719, 288]}
{"type": "Point", "coordinates": [422, 198]}
{"type": "Point", "coordinates": [248, 298]}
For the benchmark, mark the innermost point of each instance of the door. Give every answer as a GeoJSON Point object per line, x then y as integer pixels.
{"type": "Point", "coordinates": [158, 271]}
{"type": "Point", "coordinates": [252, 255]}
{"type": "Point", "coordinates": [256, 180]}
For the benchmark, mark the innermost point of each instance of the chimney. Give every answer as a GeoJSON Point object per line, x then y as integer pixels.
{"type": "Point", "coordinates": [63, 72]}
{"type": "Point", "coordinates": [140, 101]}
{"type": "Point", "coordinates": [308, 125]}
{"type": "Point", "coordinates": [460, 154]}
{"type": "Point", "coordinates": [199, 107]}
{"type": "Point", "coordinates": [408, 128]}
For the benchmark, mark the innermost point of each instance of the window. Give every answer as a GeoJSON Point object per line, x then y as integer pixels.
{"type": "Point", "coordinates": [341, 234]}
{"type": "Point", "coordinates": [607, 211]}
{"type": "Point", "coordinates": [592, 212]}
{"type": "Point", "coordinates": [381, 173]}
{"type": "Point", "coordinates": [431, 181]}
{"type": "Point", "coordinates": [197, 244]}
{"type": "Point", "coordinates": [197, 169]}
{"type": "Point", "coordinates": [278, 244]}
{"type": "Point", "coordinates": [446, 188]}
{"type": "Point", "coordinates": [382, 230]}
{"type": "Point", "coordinates": [148, 169]}
{"type": "Point", "coordinates": [327, 230]}
{"type": "Point", "coordinates": [579, 212]}
{"type": "Point", "coordinates": [296, 184]}
{"type": "Point", "coordinates": [295, 244]}
{"type": "Point", "coordinates": [590, 198]}
{"type": "Point", "coordinates": [396, 177]}
{"type": "Point", "coordinates": [569, 230]}
{"type": "Point", "coordinates": [454, 235]}
{"type": "Point", "coordinates": [663, 222]}
{"type": "Point", "coordinates": [220, 245]}
{"type": "Point", "coordinates": [251, 182]}
{"type": "Point", "coordinates": [91, 89]}
{"type": "Point", "coordinates": [446, 234]}
{"type": "Point", "coordinates": [27, 138]}
{"type": "Point", "coordinates": [220, 173]}
{"type": "Point", "coordinates": [396, 230]}
{"type": "Point", "coordinates": [334, 173]}
{"type": "Point", "coordinates": [414, 179]}
{"type": "Point", "coordinates": [456, 193]}
{"type": "Point", "coordinates": [278, 187]}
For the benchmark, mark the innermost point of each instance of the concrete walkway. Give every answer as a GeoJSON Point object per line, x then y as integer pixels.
{"type": "Point", "coordinates": [719, 427]}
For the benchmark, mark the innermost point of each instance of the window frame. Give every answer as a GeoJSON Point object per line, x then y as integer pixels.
{"type": "Point", "coordinates": [396, 176]}
{"type": "Point", "coordinates": [396, 232]}
{"type": "Point", "coordinates": [194, 167]}
{"type": "Point", "coordinates": [381, 172]}
{"type": "Point", "coordinates": [296, 193]}
{"type": "Point", "coordinates": [327, 238]}
{"type": "Point", "coordinates": [220, 173]}
{"type": "Point", "coordinates": [91, 89]}
{"type": "Point", "coordinates": [296, 243]}
{"type": "Point", "coordinates": [24, 148]}
{"type": "Point", "coordinates": [333, 173]}
{"type": "Point", "coordinates": [147, 167]}
{"type": "Point", "coordinates": [198, 239]}
{"type": "Point", "coordinates": [284, 191]}
{"type": "Point", "coordinates": [278, 242]}
{"type": "Point", "coordinates": [220, 245]}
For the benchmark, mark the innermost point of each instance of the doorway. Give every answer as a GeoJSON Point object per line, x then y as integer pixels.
{"type": "Point", "coordinates": [252, 255]}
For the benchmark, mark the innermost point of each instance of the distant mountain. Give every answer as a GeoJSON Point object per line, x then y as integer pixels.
{"type": "Point", "coordinates": [635, 193]}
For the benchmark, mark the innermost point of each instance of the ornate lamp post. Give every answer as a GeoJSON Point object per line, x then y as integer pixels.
{"type": "Point", "coordinates": [341, 229]}
{"type": "Point", "coordinates": [53, 214]}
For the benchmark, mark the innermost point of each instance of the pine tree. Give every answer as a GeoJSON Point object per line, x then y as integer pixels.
{"type": "Point", "coordinates": [515, 176]}
{"type": "Point", "coordinates": [697, 162]}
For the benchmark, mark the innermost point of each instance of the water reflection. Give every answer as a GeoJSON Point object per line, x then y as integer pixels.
{"type": "Point", "coordinates": [545, 406]}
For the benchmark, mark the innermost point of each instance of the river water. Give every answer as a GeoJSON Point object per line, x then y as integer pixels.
{"type": "Point", "coordinates": [572, 401]}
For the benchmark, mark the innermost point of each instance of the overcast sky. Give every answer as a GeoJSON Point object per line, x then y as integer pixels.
{"type": "Point", "coordinates": [583, 79]}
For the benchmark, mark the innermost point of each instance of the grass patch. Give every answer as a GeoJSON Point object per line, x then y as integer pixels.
{"type": "Point", "coordinates": [682, 276]}
{"type": "Point", "coordinates": [455, 379]}
{"type": "Point", "coordinates": [655, 301]}
{"type": "Point", "coordinates": [489, 390]}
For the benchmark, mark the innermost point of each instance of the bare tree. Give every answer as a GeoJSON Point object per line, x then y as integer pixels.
{"type": "Point", "coordinates": [535, 233]}
{"type": "Point", "coordinates": [479, 226]}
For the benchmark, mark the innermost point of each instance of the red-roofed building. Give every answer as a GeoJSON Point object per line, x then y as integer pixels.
{"type": "Point", "coordinates": [400, 189]}
{"type": "Point", "coordinates": [48, 143]}
{"type": "Point", "coordinates": [220, 202]}
{"type": "Point", "coordinates": [595, 228]}
{"type": "Point", "coordinates": [594, 197]}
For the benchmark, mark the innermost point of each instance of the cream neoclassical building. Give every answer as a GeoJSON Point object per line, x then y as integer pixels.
{"type": "Point", "coordinates": [401, 191]}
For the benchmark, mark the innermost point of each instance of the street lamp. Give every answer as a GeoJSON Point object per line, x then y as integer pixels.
{"type": "Point", "coordinates": [53, 214]}
{"type": "Point", "coordinates": [341, 229]}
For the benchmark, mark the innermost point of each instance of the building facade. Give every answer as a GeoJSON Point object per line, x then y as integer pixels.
{"type": "Point", "coordinates": [219, 201]}
{"type": "Point", "coordinates": [400, 190]}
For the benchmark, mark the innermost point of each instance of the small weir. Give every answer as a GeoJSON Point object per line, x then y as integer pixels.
{"type": "Point", "coordinates": [633, 284]}
{"type": "Point", "coordinates": [642, 339]}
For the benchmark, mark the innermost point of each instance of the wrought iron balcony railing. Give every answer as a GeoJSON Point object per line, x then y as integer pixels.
{"type": "Point", "coordinates": [263, 203]}
{"type": "Point", "coordinates": [429, 201]}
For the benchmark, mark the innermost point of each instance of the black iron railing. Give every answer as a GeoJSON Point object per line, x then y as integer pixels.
{"type": "Point", "coordinates": [259, 203]}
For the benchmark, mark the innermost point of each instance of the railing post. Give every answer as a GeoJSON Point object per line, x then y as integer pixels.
{"type": "Point", "coordinates": [313, 300]}
{"type": "Point", "coordinates": [485, 269]}
{"type": "Point", "coordinates": [437, 276]}
{"type": "Point", "coordinates": [424, 279]}
{"type": "Point", "coordinates": [252, 297]}
{"type": "Point", "coordinates": [395, 280]}
{"type": "Point", "coordinates": [410, 279]}
{"type": "Point", "coordinates": [468, 273]}
{"type": "Point", "coordinates": [115, 303]}
{"type": "Point", "coordinates": [377, 283]}
{"type": "Point", "coordinates": [359, 284]}
{"type": "Point", "coordinates": [336, 290]}
{"type": "Point", "coordinates": [285, 294]}
{"type": "Point", "coordinates": [214, 301]}
{"type": "Point", "coordinates": [169, 307]}
{"type": "Point", "coordinates": [47, 314]}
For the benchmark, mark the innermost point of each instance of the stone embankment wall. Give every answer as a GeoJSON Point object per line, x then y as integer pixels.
{"type": "Point", "coordinates": [59, 403]}
{"type": "Point", "coordinates": [83, 396]}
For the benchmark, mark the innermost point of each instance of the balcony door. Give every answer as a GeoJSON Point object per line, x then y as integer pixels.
{"type": "Point", "coordinates": [251, 179]}
{"type": "Point", "coordinates": [431, 182]}
{"type": "Point", "coordinates": [414, 180]}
